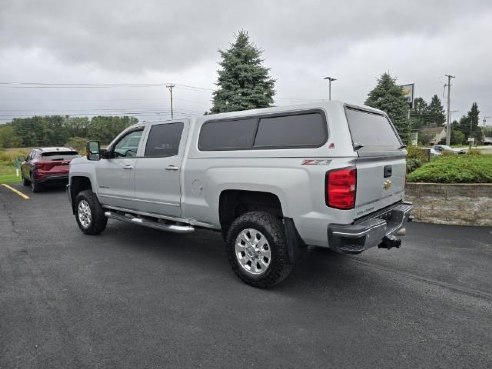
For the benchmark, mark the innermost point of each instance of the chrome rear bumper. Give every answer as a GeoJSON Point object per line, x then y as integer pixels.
{"type": "Point", "coordinates": [371, 232]}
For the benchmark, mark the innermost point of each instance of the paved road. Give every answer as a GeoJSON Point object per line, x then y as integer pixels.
{"type": "Point", "coordinates": [140, 298]}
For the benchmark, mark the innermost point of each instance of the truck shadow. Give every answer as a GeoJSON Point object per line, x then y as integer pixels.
{"type": "Point", "coordinates": [204, 252]}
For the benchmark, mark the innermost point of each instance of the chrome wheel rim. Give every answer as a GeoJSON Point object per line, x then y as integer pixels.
{"type": "Point", "coordinates": [253, 251]}
{"type": "Point", "coordinates": [84, 213]}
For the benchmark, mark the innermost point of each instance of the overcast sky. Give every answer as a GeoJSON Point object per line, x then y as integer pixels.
{"type": "Point", "coordinates": [157, 42]}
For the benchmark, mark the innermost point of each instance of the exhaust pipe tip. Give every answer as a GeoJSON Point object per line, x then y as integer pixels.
{"type": "Point", "coordinates": [401, 232]}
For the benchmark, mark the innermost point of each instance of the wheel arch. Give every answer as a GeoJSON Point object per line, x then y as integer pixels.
{"type": "Point", "coordinates": [233, 203]}
{"type": "Point", "coordinates": [77, 185]}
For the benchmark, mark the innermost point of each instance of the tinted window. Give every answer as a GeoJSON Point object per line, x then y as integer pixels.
{"type": "Point", "coordinates": [164, 140]}
{"type": "Point", "coordinates": [302, 130]}
{"type": "Point", "coordinates": [373, 131]}
{"type": "Point", "coordinates": [127, 146]}
{"type": "Point", "coordinates": [60, 155]}
{"type": "Point", "coordinates": [227, 134]}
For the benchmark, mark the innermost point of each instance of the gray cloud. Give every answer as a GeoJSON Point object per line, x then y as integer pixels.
{"type": "Point", "coordinates": [166, 35]}
{"type": "Point", "coordinates": [303, 40]}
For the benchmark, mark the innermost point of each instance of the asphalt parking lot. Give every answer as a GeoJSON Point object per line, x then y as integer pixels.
{"type": "Point", "coordinates": [141, 298]}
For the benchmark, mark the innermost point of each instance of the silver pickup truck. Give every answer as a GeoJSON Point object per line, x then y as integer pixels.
{"type": "Point", "coordinates": [272, 181]}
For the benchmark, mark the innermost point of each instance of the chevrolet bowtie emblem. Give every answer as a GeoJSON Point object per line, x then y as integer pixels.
{"type": "Point", "coordinates": [387, 184]}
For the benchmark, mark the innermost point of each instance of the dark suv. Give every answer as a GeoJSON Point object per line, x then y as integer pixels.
{"type": "Point", "coordinates": [47, 165]}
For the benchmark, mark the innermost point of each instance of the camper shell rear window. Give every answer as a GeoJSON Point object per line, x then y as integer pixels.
{"type": "Point", "coordinates": [373, 131]}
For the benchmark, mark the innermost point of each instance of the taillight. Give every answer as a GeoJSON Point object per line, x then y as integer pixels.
{"type": "Point", "coordinates": [43, 165]}
{"type": "Point", "coordinates": [341, 186]}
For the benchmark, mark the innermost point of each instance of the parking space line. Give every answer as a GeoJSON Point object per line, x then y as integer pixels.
{"type": "Point", "coordinates": [25, 197]}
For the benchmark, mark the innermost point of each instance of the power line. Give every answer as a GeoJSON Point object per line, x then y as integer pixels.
{"type": "Point", "coordinates": [96, 85]}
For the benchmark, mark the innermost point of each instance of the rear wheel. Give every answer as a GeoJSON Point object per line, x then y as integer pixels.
{"type": "Point", "coordinates": [35, 186]}
{"type": "Point", "coordinates": [89, 213]}
{"type": "Point", "coordinates": [25, 181]}
{"type": "Point", "coordinates": [257, 249]}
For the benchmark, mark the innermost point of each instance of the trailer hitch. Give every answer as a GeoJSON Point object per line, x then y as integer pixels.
{"type": "Point", "coordinates": [389, 242]}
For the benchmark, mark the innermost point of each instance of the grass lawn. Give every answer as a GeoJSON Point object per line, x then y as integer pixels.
{"type": "Point", "coordinates": [7, 167]}
{"type": "Point", "coordinates": [7, 173]}
{"type": "Point", "coordinates": [9, 179]}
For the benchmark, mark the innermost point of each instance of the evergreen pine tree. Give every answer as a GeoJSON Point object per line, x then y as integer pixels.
{"type": "Point", "coordinates": [388, 96]}
{"type": "Point", "coordinates": [243, 82]}
{"type": "Point", "coordinates": [436, 111]}
{"type": "Point", "coordinates": [419, 112]}
{"type": "Point", "coordinates": [469, 123]}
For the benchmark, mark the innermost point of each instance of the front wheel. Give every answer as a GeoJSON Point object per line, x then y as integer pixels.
{"type": "Point", "coordinates": [257, 249]}
{"type": "Point", "coordinates": [89, 213]}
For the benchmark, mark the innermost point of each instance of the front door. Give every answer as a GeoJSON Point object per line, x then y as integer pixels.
{"type": "Point", "coordinates": [158, 172]}
{"type": "Point", "coordinates": [116, 175]}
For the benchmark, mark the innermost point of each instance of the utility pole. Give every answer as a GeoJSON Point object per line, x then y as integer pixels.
{"type": "Point", "coordinates": [170, 86]}
{"type": "Point", "coordinates": [448, 127]}
{"type": "Point", "coordinates": [330, 80]}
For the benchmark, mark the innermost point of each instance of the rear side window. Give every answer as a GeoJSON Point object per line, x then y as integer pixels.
{"type": "Point", "coordinates": [371, 130]}
{"type": "Point", "coordinates": [303, 130]}
{"type": "Point", "coordinates": [280, 131]}
{"type": "Point", "coordinates": [227, 135]}
{"type": "Point", "coordinates": [164, 140]}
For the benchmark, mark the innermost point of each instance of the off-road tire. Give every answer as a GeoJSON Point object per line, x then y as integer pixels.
{"type": "Point", "coordinates": [271, 227]}
{"type": "Point", "coordinates": [97, 221]}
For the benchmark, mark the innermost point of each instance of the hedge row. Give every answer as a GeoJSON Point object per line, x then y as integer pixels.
{"type": "Point", "coordinates": [455, 169]}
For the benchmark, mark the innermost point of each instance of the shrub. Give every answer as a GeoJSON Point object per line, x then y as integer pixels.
{"type": "Point", "coordinates": [413, 164]}
{"type": "Point", "coordinates": [455, 169]}
{"type": "Point", "coordinates": [414, 152]}
{"type": "Point", "coordinates": [474, 152]}
{"type": "Point", "coordinates": [457, 137]}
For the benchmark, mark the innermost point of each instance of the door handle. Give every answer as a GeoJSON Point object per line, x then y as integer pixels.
{"type": "Point", "coordinates": [172, 167]}
{"type": "Point", "coordinates": [128, 166]}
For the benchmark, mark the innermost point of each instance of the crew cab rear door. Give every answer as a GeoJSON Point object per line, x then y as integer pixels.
{"type": "Point", "coordinates": [381, 164]}
{"type": "Point", "coordinates": [158, 171]}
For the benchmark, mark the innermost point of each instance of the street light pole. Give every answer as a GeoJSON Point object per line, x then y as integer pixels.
{"type": "Point", "coordinates": [330, 80]}
{"type": "Point", "coordinates": [170, 86]}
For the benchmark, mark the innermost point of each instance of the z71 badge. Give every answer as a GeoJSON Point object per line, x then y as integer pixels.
{"type": "Point", "coordinates": [316, 162]}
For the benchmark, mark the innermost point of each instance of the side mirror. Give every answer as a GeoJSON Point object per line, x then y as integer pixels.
{"type": "Point", "coordinates": [93, 150]}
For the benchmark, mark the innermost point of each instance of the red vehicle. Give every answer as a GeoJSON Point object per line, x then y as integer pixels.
{"type": "Point", "coordinates": [46, 165]}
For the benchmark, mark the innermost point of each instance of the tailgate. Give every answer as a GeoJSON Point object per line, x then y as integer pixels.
{"type": "Point", "coordinates": [380, 183]}
{"type": "Point", "coordinates": [381, 164]}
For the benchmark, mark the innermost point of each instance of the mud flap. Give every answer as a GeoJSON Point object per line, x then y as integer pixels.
{"type": "Point", "coordinates": [295, 245]}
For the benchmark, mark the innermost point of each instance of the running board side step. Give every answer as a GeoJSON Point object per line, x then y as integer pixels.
{"type": "Point", "coordinates": [176, 228]}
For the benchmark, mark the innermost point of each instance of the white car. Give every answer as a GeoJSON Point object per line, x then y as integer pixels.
{"type": "Point", "coordinates": [440, 149]}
